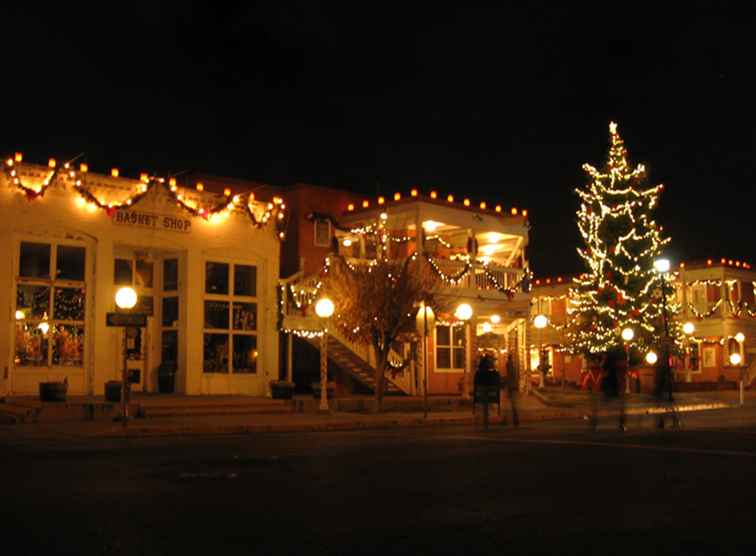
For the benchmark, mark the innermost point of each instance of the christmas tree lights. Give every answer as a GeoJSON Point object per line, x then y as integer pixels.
{"type": "Point", "coordinates": [620, 288]}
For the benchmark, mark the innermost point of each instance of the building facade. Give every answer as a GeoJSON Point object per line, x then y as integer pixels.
{"type": "Point", "coordinates": [716, 298]}
{"type": "Point", "coordinates": [205, 267]}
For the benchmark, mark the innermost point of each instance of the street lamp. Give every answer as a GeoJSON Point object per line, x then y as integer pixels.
{"type": "Point", "coordinates": [688, 329]}
{"type": "Point", "coordinates": [126, 300]}
{"type": "Point", "coordinates": [464, 313]}
{"type": "Point", "coordinates": [324, 309]}
{"type": "Point", "coordinates": [651, 358]}
{"type": "Point", "coordinates": [540, 322]}
{"type": "Point", "coordinates": [627, 335]}
{"type": "Point", "coordinates": [424, 320]}
{"type": "Point", "coordinates": [662, 267]}
{"type": "Point", "coordinates": [736, 360]}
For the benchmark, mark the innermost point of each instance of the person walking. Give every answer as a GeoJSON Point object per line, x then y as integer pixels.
{"type": "Point", "coordinates": [486, 379]}
{"type": "Point", "coordinates": [513, 388]}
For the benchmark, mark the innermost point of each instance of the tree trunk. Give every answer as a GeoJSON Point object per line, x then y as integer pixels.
{"type": "Point", "coordinates": [380, 379]}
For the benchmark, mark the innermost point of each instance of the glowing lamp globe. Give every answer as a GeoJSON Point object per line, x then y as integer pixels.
{"type": "Point", "coordinates": [540, 321]}
{"type": "Point", "coordinates": [740, 337]}
{"type": "Point", "coordinates": [20, 315]}
{"type": "Point", "coordinates": [689, 328]}
{"type": "Point", "coordinates": [651, 358]}
{"type": "Point", "coordinates": [464, 311]}
{"type": "Point", "coordinates": [487, 328]}
{"type": "Point", "coordinates": [735, 359]}
{"type": "Point", "coordinates": [324, 308]}
{"type": "Point", "coordinates": [44, 327]}
{"type": "Point", "coordinates": [126, 298]}
{"type": "Point", "coordinates": [661, 265]}
{"type": "Point", "coordinates": [628, 334]}
{"type": "Point", "coordinates": [495, 319]}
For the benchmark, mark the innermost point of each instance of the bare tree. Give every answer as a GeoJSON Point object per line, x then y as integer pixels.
{"type": "Point", "coordinates": [376, 303]}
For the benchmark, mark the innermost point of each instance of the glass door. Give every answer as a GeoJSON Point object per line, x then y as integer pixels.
{"type": "Point", "coordinates": [169, 326]}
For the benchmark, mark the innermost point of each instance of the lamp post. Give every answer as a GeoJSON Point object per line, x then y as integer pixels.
{"type": "Point", "coordinates": [627, 335]}
{"type": "Point", "coordinates": [324, 309]}
{"type": "Point", "coordinates": [662, 267]}
{"type": "Point", "coordinates": [464, 312]}
{"type": "Point", "coordinates": [736, 360]}
{"type": "Point", "coordinates": [540, 322]}
{"type": "Point", "coordinates": [424, 320]}
{"type": "Point", "coordinates": [126, 300]}
{"type": "Point", "coordinates": [688, 329]}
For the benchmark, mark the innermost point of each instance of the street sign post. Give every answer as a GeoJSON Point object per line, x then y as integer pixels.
{"type": "Point", "coordinates": [126, 321]}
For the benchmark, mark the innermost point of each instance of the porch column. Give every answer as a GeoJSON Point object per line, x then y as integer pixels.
{"type": "Point", "coordinates": [289, 357]}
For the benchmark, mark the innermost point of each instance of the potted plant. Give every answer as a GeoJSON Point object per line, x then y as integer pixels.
{"type": "Point", "coordinates": [167, 377]}
{"type": "Point", "coordinates": [53, 391]}
{"type": "Point", "coordinates": [281, 389]}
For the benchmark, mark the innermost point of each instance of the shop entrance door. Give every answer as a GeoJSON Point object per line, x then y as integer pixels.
{"type": "Point", "coordinates": [153, 351]}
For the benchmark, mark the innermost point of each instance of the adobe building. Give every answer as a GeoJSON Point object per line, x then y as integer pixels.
{"type": "Point", "coordinates": [205, 267]}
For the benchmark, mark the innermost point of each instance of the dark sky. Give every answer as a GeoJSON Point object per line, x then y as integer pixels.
{"type": "Point", "coordinates": [503, 104]}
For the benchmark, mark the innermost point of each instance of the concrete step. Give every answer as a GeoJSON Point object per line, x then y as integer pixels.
{"type": "Point", "coordinates": [198, 411]}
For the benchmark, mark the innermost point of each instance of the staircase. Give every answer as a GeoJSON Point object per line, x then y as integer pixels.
{"type": "Point", "coordinates": [358, 368]}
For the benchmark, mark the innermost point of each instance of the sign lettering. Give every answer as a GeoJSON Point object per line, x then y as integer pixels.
{"type": "Point", "coordinates": [153, 221]}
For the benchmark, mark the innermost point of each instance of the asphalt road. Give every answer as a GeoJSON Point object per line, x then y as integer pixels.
{"type": "Point", "coordinates": [552, 488]}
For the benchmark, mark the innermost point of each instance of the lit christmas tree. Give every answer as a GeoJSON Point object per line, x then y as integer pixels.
{"type": "Point", "coordinates": [620, 288]}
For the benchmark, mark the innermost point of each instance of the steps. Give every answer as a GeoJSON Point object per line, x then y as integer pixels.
{"type": "Point", "coordinates": [353, 364]}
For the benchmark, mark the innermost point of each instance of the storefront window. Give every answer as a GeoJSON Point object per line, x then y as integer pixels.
{"type": "Point", "coordinates": [230, 340]}
{"type": "Point", "coordinates": [245, 354]}
{"type": "Point", "coordinates": [170, 311]}
{"type": "Point", "coordinates": [143, 274]}
{"type": "Point", "coordinates": [245, 280]}
{"type": "Point", "coordinates": [123, 273]}
{"type": "Point", "coordinates": [170, 275]}
{"type": "Point", "coordinates": [170, 346]}
{"type": "Point", "coordinates": [450, 347]}
{"type": "Point", "coordinates": [33, 301]}
{"type": "Point", "coordinates": [68, 304]}
{"type": "Point", "coordinates": [34, 260]}
{"type": "Point", "coordinates": [70, 263]}
{"type": "Point", "coordinates": [50, 317]}
{"type": "Point", "coordinates": [216, 278]}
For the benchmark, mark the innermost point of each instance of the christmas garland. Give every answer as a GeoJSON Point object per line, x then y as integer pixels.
{"type": "Point", "coordinates": [705, 314]}
{"type": "Point", "coordinates": [275, 210]}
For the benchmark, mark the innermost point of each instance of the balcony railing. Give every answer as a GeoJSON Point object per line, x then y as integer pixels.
{"type": "Point", "coordinates": [490, 277]}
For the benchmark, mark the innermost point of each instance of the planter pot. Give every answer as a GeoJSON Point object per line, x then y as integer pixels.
{"type": "Point", "coordinates": [282, 390]}
{"type": "Point", "coordinates": [166, 383]}
{"type": "Point", "coordinates": [113, 391]}
{"type": "Point", "coordinates": [53, 391]}
{"type": "Point", "coordinates": [316, 390]}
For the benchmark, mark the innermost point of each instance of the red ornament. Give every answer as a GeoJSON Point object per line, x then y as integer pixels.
{"type": "Point", "coordinates": [31, 194]}
{"type": "Point", "coordinates": [111, 211]}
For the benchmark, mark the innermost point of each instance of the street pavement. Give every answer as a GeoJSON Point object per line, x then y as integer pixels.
{"type": "Point", "coordinates": [549, 486]}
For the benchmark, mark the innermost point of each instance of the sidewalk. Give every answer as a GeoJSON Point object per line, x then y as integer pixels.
{"type": "Point", "coordinates": [530, 410]}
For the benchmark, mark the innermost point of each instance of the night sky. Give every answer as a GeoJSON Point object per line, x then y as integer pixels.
{"type": "Point", "coordinates": [502, 104]}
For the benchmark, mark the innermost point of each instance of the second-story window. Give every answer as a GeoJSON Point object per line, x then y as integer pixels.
{"type": "Point", "coordinates": [322, 233]}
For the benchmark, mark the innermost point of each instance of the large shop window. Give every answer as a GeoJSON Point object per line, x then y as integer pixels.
{"type": "Point", "coordinates": [230, 337]}
{"type": "Point", "coordinates": [50, 306]}
{"type": "Point", "coordinates": [450, 348]}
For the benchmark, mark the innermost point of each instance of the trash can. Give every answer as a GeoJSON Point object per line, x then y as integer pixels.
{"type": "Point", "coordinates": [113, 391]}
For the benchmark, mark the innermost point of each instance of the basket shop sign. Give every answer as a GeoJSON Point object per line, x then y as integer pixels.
{"type": "Point", "coordinates": [139, 219]}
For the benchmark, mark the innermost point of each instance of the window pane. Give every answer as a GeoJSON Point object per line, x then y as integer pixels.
{"type": "Point", "coordinates": [68, 304]}
{"type": "Point", "coordinates": [245, 280]}
{"type": "Point", "coordinates": [216, 314]}
{"type": "Point", "coordinates": [245, 354]}
{"type": "Point", "coordinates": [170, 311]}
{"type": "Point", "coordinates": [145, 304]}
{"type": "Point", "coordinates": [33, 301]}
{"type": "Point", "coordinates": [35, 260]}
{"type": "Point", "coordinates": [443, 358]}
{"type": "Point", "coordinates": [70, 262]}
{"type": "Point", "coordinates": [170, 346]}
{"type": "Point", "coordinates": [215, 359]}
{"type": "Point", "coordinates": [144, 274]}
{"type": "Point", "coordinates": [122, 272]}
{"type": "Point", "coordinates": [170, 275]}
{"type": "Point", "coordinates": [216, 278]}
{"type": "Point", "coordinates": [459, 358]}
{"type": "Point", "coordinates": [459, 336]}
{"type": "Point", "coordinates": [31, 346]}
{"type": "Point", "coordinates": [442, 335]}
{"type": "Point", "coordinates": [322, 233]}
{"type": "Point", "coordinates": [68, 345]}
{"type": "Point", "coordinates": [245, 316]}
